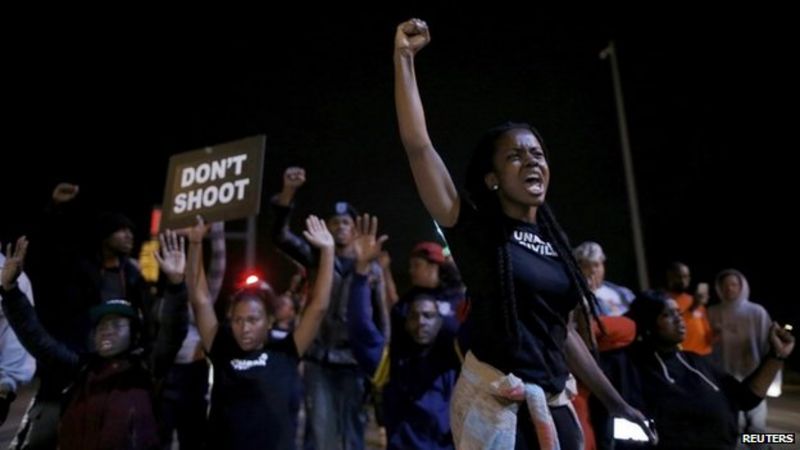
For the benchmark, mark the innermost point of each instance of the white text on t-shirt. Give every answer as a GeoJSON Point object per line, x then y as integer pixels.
{"type": "Point", "coordinates": [245, 364]}
{"type": "Point", "coordinates": [534, 243]}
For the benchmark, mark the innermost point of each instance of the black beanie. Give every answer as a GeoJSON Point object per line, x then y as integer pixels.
{"type": "Point", "coordinates": [108, 223]}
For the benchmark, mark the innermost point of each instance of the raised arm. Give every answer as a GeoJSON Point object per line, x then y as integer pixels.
{"type": "Point", "coordinates": [366, 338]}
{"type": "Point", "coordinates": [173, 317]}
{"type": "Point", "coordinates": [197, 287]}
{"type": "Point", "coordinates": [385, 261]}
{"type": "Point", "coordinates": [318, 235]}
{"type": "Point", "coordinates": [53, 236]}
{"type": "Point", "coordinates": [17, 366]}
{"type": "Point", "coordinates": [48, 352]}
{"type": "Point", "coordinates": [289, 243]}
{"type": "Point", "coordinates": [434, 184]}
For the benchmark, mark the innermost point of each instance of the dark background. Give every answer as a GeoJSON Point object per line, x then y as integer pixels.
{"type": "Point", "coordinates": [709, 99]}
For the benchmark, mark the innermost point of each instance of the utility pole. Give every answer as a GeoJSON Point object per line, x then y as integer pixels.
{"type": "Point", "coordinates": [610, 53]}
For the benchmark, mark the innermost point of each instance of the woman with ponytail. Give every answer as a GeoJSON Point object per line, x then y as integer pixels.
{"type": "Point", "coordinates": [522, 281]}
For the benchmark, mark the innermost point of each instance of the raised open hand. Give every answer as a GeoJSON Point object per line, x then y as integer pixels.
{"type": "Point", "coordinates": [172, 259]}
{"type": "Point", "coordinates": [367, 246]}
{"type": "Point", "coordinates": [15, 259]}
{"type": "Point", "coordinates": [317, 233]}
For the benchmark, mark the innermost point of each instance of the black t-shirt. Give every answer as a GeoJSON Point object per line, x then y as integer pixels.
{"type": "Point", "coordinates": [112, 284]}
{"type": "Point", "coordinates": [251, 400]}
{"type": "Point", "coordinates": [543, 292]}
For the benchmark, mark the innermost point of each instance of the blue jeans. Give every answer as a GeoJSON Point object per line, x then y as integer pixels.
{"type": "Point", "coordinates": [335, 406]}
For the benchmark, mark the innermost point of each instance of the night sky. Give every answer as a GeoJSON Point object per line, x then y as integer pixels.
{"type": "Point", "coordinates": [705, 99]}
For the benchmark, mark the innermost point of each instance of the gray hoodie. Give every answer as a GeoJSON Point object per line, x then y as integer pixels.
{"type": "Point", "coordinates": [742, 330]}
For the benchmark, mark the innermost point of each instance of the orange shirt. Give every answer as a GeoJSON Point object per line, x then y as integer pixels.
{"type": "Point", "coordinates": [699, 337]}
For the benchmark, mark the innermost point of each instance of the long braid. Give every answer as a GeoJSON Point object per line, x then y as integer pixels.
{"type": "Point", "coordinates": [588, 301]}
{"type": "Point", "coordinates": [488, 204]}
{"type": "Point", "coordinates": [509, 298]}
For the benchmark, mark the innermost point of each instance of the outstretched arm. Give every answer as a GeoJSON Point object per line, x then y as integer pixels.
{"type": "Point", "coordinates": [385, 261]}
{"type": "Point", "coordinates": [197, 287]}
{"type": "Point", "coordinates": [366, 338]}
{"type": "Point", "coordinates": [48, 351]}
{"type": "Point", "coordinates": [318, 235]}
{"type": "Point", "coordinates": [289, 243]}
{"type": "Point", "coordinates": [17, 366]}
{"type": "Point", "coordinates": [173, 317]}
{"type": "Point", "coordinates": [434, 184]}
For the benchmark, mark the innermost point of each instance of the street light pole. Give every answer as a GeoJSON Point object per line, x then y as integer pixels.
{"type": "Point", "coordinates": [249, 237]}
{"type": "Point", "coordinates": [630, 182]}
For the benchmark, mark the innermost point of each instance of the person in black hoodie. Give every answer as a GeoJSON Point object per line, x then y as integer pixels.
{"type": "Point", "coordinates": [110, 401]}
{"type": "Point", "coordinates": [693, 404]}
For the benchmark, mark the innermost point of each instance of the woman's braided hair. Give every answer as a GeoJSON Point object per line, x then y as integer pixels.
{"type": "Point", "coordinates": [488, 205]}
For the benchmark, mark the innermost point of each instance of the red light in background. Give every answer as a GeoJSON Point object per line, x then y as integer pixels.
{"type": "Point", "coordinates": [155, 221]}
{"type": "Point", "coordinates": [250, 279]}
